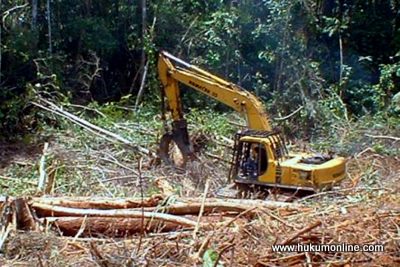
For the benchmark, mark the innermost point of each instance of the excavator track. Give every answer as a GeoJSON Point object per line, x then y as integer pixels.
{"type": "Point", "coordinates": [251, 191]}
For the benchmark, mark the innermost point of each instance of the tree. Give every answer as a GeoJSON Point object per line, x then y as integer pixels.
{"type": "Point", "coordinates": [34, 13]}
{"type": "Point", "coordinates": [143, 64]}
{"type": "Point", "coordinates": [1, 33]}
{"type": "Point", "coordinates": [49, 32]}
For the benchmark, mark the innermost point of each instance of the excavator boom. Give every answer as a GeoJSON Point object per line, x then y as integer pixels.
{"type": "Point", "coordinates": [210, 85]}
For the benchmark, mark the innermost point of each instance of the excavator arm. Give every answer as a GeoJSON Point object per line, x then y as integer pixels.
{"type": "Point", "coordinates": [172, 71]}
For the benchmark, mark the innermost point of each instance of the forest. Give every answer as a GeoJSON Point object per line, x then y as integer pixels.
{"type": "Point", "coordinates": [80, 123]}
{"type": "Point", "coordinates": [338, 59]}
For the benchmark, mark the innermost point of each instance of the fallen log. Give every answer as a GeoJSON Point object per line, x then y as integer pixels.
{"type": "Point", "coordinates": [126, 207]}
{"type": "Point", "coordinates": [123, 216]}
{"type": "Point", "coordinates": [194, 208]}
{"type": "Point", "coordinates": [48, 209]}
{"type": "Point", "coordinates": [110, 227]}
{"type": "Point", "coordinates": [124, 203]}
{"type": "Point", "coordinates": [248, 202]}
{"type": "Point", "coordinates": [101, 203]}
{"type": "Point", "coordinates": [45, 210]}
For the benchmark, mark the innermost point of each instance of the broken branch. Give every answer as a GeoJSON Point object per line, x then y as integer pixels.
{"type": "Point", "coordinates": [299, 233]}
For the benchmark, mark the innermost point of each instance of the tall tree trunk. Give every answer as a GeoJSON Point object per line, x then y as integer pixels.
{"type": "Point", "coordinates": [141, 70]}
{"type": "Point", "coordinates": [34, 13]}
{"type": "Point", "coordinates": [143, 11]}
{"type": "Point", "coordinates": [49, 27]}
{"type": "Point", "coordinates": [144, 25]}
{"type": "Point", "coordinates": [1, 26]}
{"type": "Point", "coordinates": [142, 84]}
{"type": "Point", "coordinates": [341, 58]}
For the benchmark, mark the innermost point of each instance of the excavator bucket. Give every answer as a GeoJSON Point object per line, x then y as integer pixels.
{"type": "Point", "coordinates": [179, 135]}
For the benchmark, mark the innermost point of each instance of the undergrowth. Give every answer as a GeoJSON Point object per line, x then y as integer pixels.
{"type": "Point", "coordinates": [348, 138]}
{"type": "Point", "coordinates": [86, 164]}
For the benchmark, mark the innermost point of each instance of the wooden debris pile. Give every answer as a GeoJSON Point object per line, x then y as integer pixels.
{"type": "Point", "coordinates": [188, 232]}
{"type": "Point", "coordinates": [93, 217]}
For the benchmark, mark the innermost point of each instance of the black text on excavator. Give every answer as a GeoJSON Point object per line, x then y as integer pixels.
{"type": "Point", "coordinates": [260, 156]}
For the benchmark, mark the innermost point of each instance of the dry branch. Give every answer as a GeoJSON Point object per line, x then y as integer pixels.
{"type": "Point", "coordinates": [87, 125]}
{"type": "Point", "coordinates": [218, 157]}
{"type": "Point", "coordinates": [6, 178]}
{"type": "Point", "coordinates": [302, 231]}
{"type": "Point", "coordinates": [290, 115]}
{"type": "Point", "coordinates": [201, 211]}
{"type": "Point", "coordinates": [383, 137]}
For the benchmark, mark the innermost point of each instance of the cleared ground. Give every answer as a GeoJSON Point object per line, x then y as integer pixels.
{"type": "Point", "coordinates": [364, 209]}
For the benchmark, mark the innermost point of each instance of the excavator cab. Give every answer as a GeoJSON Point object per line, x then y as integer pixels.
{"type": "Point", "coordinates": [254, 162]}
{"type": "Point", "coordinates": [255, 154]}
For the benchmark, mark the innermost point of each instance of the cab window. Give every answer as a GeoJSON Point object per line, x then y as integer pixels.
{"type": "Point", "coordinates": [253, 160]}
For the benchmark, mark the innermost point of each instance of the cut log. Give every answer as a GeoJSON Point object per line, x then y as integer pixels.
{"type": "Point", "coordinates": [154, 201]}
{"type": "Point", "coordinates": [44, 210]}
{"type": "Point", "coordinates": [120, 217]}
{"type": "Point", "coordinates": [194, 208]}
{"type": "Point", "coordinates": [101, 203]}
{"type": "Point", "coordinates": [248, 203]}
{"type": "Point", "coordinates": [110, 227]}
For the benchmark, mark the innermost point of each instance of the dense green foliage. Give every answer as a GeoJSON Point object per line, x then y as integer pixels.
{"type": "Point", "coordinates": [338, 59]}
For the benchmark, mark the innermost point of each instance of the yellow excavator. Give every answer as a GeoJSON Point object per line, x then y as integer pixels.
{"type": "Point", "coordinates": [260, 156]}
